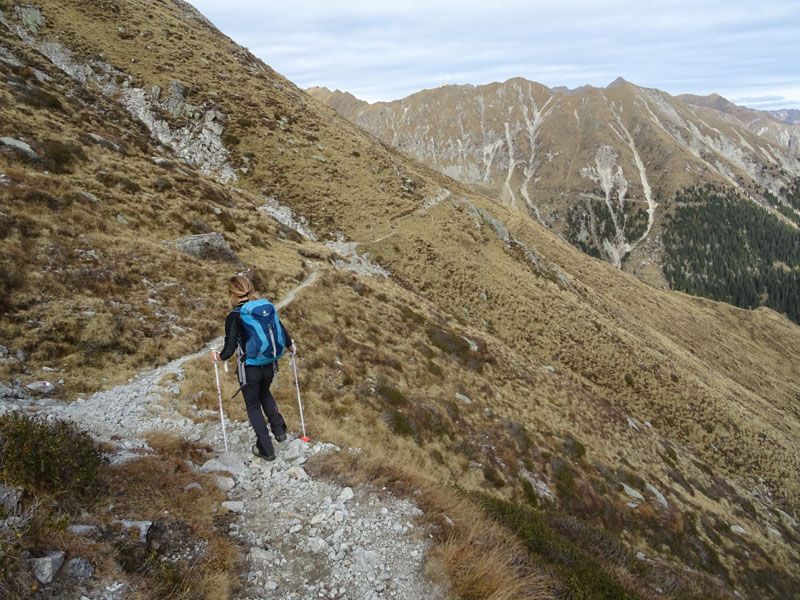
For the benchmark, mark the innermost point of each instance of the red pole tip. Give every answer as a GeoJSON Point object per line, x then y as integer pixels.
{"type": "Point", "coordinates": [305, 439]}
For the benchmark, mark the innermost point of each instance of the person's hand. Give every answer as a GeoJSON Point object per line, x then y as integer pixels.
{"type": "Point", "coordinates": [215, 356]}
{"type": "Point", "coordinates": [293, 349]}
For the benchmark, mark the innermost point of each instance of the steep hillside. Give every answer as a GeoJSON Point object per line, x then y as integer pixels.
{"type": "Point", "coordinates": [782, 130]}
{"type": "Point", "coordinates": [443, 326]}
{"type": "Point", "coordinates": [787, 115]}
{"type": "Point", "coordinates": [595, 165]}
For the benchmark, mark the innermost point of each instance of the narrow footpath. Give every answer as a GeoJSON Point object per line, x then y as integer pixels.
{"type": "Point", "coordinates": [308, 539]}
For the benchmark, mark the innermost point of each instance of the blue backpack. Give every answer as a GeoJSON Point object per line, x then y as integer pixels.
{"type": "Point", "coordinates": [263, 333]}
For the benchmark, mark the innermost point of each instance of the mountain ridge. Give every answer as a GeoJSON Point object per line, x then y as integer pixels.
{"type": "Point", "coordinates": [598, 166]}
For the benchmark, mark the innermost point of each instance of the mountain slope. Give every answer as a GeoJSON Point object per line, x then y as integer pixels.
{"type": "Point", "coordinates": [767, 124]}
{"type": "Point", "coordinates": [596, 165]}
{"type": "Point", "coordinates": [553, 351]}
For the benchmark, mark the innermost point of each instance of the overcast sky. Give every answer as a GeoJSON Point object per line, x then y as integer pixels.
{"type": "Point", "coordinates": [748, 52]}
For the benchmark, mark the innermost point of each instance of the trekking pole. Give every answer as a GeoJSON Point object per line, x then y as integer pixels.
{"type": "Point", "coordinates": [300, 404]}
{"type": "Point", "coordinates": [221, 414]}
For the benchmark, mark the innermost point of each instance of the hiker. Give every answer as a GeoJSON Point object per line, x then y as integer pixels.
{"type": "Point", "coordinates": [255, 372]}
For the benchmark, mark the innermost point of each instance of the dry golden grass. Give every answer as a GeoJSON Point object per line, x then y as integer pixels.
{"type": "Point", "coordinates": [170, 444]}
{"type": "Point", "coordinates": [148, 489]}
{"type": "Point", "coordinates": [719, 384]}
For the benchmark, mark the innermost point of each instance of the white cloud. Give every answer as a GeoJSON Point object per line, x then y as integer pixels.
{"type": "Point", "coordinates": [386, 50]}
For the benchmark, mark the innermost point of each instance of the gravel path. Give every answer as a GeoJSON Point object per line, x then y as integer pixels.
{"type": "Point", "coordinates": [307, 538]}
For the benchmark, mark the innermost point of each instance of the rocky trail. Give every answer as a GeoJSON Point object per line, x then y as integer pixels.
{"type": "Point", "coordinates": [307, 538]}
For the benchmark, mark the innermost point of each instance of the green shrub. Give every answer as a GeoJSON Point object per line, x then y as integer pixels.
{"type": "Point", "coordinates": [564, 478]}
{"type": "Point", "coordinates": [390, 393]}
{"type": "Point", "coordinates": [582, 575]}
{"type": "Point", "coordinates": [492, 475]}
{"type": "Point", "coordinates": [230, 140]}
{"type": "Point", "coordinates": [48, 457]}
{"type": "Point", "coordinates": [112, 179]}
{"type": "Point", "coordinates": [38, 98]}
{"type": "Point", "coordinates": [11, 279]}
{"type": "Point", "coordinates": [59, 156]}
{"type": "Point", "coordinates": [447, 341]}
{"type": "Point", "coordinates": [574, 448]}
{"type": "Point", "coordinates": [434, 368]}
{"type": "Point", "coordinates": [411, 315]}
{"type": "Point", "coordinates": [400, 423]}
{"type": "Point", "coordinates": [529, 493]}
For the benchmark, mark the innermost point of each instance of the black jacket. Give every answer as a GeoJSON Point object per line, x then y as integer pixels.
{"type": "Point", "coordinates": [234, 334]}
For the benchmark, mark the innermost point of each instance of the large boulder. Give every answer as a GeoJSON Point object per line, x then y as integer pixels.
{"type": "Point", "coordinates": [207, 246]}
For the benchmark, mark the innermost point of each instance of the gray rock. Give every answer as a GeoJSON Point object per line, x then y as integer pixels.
{"type": "Point", "coordinates": [142, 526]}
{"type": "Point", "coordinates": [104, 142]}
{"type": "Point", "coordinates": [230, 463]}
{"type": "Point", "coordinates": [174, 103]}
{"type": "Point", "coordinates": [297, 473]}
{"type": "Point", "coordinates": [365, 560]}
{"type": "Point", "coordinates": [226, 484]}
{"type": "Point", "coordinates": [317, 545]}
{"type": "Point", "coordinates": [207, 246]}
{"type": "Point", "coordinates": [345, 495]}
{"type": "Point", "coordinates": [31, 17]}
{"type": "Point", "coordinates": [294, 450]}
{"type": "Point", "coordinates": [90, 197]}
{"type": "Point", "coordinates": [233, 506]}
{"type": "Point", "coordinates": [19, 146]}
{"type": "Point", "coordinates": [192, 486]}
{"type": "Point", "coordinates": [738, 530]}
{"type": "Point", "coordinates": [45, 568]}
{"type": "Point", "coordinates": [3, 351]}
{"type": "Point", "coordinates": [82, 529]}
{"type": "Point", "coordinates": [260, 555]}
{"type": "Point", "coordinates": [659, 496]}
{"type": "Point", "coordinates": [463, 398]}
{"type": "Point", "coordinates": [14, 523]}
{"type": "Point", "coordinates": [44, 387]}
{"type": "Point", "coordinates": [233, 463]}
{"type": "Point", "coordinates": [80, 568]}
{"type": "Point", "coordinates": [632, 492]}
{"type": "Point", "coordinates": [9, 58]}
{"type": "Point", "coordinates": [7, 392]}
{"type": "Point", "coordinates": [21, 356]}
{"type": "Point", "coordinates": [10, 497]}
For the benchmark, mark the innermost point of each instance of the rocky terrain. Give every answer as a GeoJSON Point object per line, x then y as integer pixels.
{"type": "Point", "coordinates": [596, 165]}
{"type": "Point", "coordinates": [306, 538]}
{"type": "Point", "coordinates": [594, 432]}
{"type": "Point", "coordinates": [780, 127]}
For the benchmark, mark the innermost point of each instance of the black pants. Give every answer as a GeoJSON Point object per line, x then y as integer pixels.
{"type": "Point", "coordinates": [257, 397]}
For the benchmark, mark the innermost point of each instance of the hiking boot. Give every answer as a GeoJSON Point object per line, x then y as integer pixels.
{"type": "Point", "coordinates": [281, 437]}
{"type": "Point", "coordinates": [257, 452]}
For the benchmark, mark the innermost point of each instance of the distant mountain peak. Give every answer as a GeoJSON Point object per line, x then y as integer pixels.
{"type": "Point", "coordinates": [616, 83]}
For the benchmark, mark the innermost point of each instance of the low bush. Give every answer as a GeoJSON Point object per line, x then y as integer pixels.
{"type": "Point", "coordinates": [582, 576]}
{"type": "Point", "coordinates": [38, 98]}
{"type": "Point", "coordinates": [60, 156]}
{"type": "Point", "coordinates": [493, 476]}
{"type": "Point", "coordinates": [52, 457]}
{"type": "Point", "coordinates": [390, 393]}
{"type": "Point", "coordinates": [400, 423]}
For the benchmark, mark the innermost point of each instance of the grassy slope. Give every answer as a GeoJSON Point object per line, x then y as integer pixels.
{"type": "Point", "coordinates": [701, 373]}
